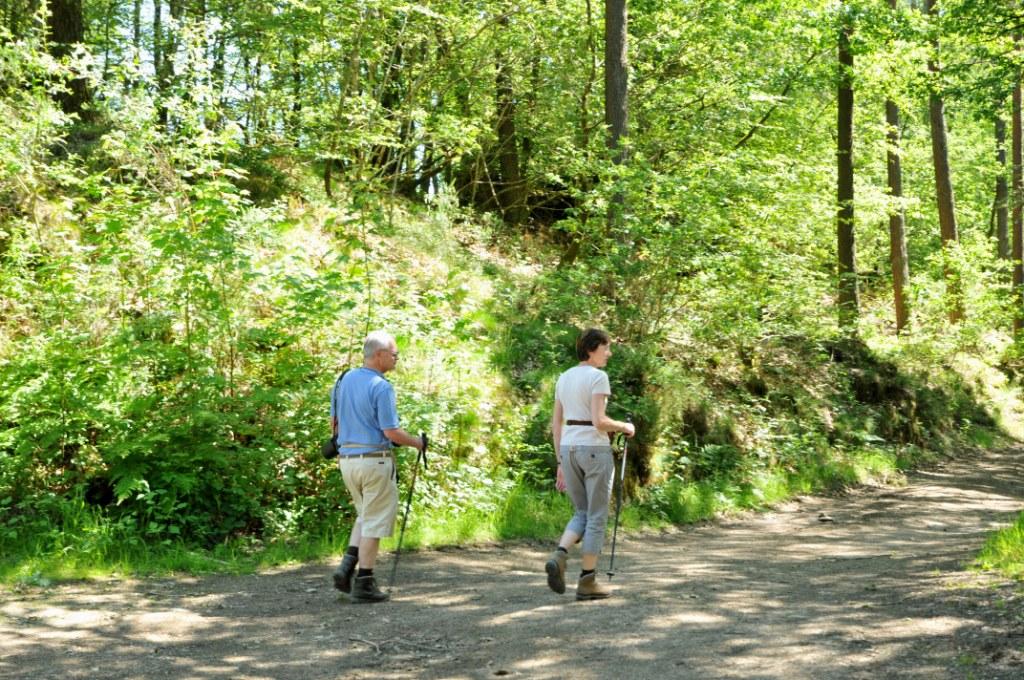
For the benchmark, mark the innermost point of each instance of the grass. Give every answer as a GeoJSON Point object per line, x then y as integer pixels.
{"type": "Point", "coordinates": [98, 551]}
{"type": "Point", "coordinates": [524, 513]}
{"type": "Point", "coordinates": [680, 502]}
{"type": "Point", "coordinates": [89, 548]}
{"type": "Point", "coordinates": [1004, 551]}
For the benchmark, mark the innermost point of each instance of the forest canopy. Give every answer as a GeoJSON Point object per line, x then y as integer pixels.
{"type": "Point", "coordinates": [800, 221]}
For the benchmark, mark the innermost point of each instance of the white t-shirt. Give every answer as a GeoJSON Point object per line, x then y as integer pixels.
{"type": "Point", "coordinates": [574, 390]}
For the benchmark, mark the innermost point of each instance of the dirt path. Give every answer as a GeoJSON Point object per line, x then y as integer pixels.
{"type": "Point", "coordinates": [877, 592]}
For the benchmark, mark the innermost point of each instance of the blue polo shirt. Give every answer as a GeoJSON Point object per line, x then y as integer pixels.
{"type": "Point", "coordinates": [364, 403]}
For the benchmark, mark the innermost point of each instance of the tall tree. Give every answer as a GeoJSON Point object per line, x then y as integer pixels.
{"type": "Point", "coordinates": [137, 29]}
{"type": "Point", "coordinates": [1002, 201]}
{"type": "Point", "coordinates": [1017, 160]}
{"type": "Point", "coordinates": [897, 221]}
{"type": "Point", "coordinates": [158, 52]}
{"type": "Point", "coordinates": [511, 190]}
{"type": "Point", "coordinates": [848, 289]}
{"type": "Point", "coordinates": [943, 178]}
{"type": "Point", "coordinates": [66, 28]}
{"type": "Point", "coordinates": [616, 88]}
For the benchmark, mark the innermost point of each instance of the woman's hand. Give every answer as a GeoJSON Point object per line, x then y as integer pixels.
{"type": "Point", "coordinates": [560, 480]}
{"type": "Point", "coordinates": [630, 430]}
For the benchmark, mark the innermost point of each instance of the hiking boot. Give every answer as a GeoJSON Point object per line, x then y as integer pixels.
{"type": "Point", "coordinates": [343, 574]}
{"type": "Point", "coordinates": [589, 589]}
{"type": "Point", "coordinates": [555, 567]}
{"type": "Point", "coordinates": [365, 589]}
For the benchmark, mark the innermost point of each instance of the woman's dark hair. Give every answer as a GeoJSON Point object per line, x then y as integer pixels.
{"type": "Point", "coordinates": [589, 340]}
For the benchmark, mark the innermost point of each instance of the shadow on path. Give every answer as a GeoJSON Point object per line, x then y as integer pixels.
{"type": "Point", "coordinates": [879, 591]}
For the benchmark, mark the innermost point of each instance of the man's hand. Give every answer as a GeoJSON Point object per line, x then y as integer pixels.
{"type": "Point", "coordinates": [560, 480]}
{"type": "Point", "coordinates": [400, 437]}
{"type": "Point", "coordinates": [630, 430]}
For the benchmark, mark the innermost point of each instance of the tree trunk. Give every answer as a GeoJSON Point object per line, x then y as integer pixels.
{"type": "Point", "coordinates": [616, 76]}
{"type": "Point", "coordinates": [897, 227]}
{"type": "Point", "coordinates": [158, 54]}
{"type": "Point", "coordinates": [588, 85]}
{"type": "Point", "coordinates": [166, 41]}
{"type": "Point", "coordinates": [137, 30]}
{"type": "Point", "coordinates": [158, 35]}
{"type": "Point", "coordinates": [218, 69]}
{"type": "Point", "coordinates": [1018, 204]}
{"type": "Point", "coordinates": [108, 19]}
{"type": "Point", "coordinates": [511, 190]}
{"type": "Point", "coordinates": [388, 80]}
{"type": "Point", "coordinates": [296, 117]}
{"type": "Point", "coordinates": [849, 303]}
{"type": "Point", "coordinates": [65, 28]}
{"type": "Point", "coordinates": [943, 185]}
{"type": "Point", "coordinates": [1002, 193]}
{"type": "Point", "coordinates": [616, 92]}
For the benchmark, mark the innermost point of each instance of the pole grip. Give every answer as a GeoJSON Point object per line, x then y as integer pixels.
{"type": "Point", "coordinates": [622, 472]}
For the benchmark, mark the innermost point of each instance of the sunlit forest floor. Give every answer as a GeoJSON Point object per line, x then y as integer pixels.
{"type": "Point", "coordinates": [871, 583]}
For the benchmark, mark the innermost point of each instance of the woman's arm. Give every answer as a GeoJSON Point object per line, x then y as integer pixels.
{"type": "Point", "coordinates": [556, 436]}
{"type": "Point", "coordinates": [602, 422]}
{"type": "Point", "coordinates": [557, 415]}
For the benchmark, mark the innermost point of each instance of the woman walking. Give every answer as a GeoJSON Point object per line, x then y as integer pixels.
{"type": "Point", "coordinates": [581, 429]}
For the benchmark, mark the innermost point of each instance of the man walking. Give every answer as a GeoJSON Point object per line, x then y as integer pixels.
{"type": "Point", "coordinates": [364, 417]}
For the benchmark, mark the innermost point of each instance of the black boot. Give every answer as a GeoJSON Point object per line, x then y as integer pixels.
{"type": "Point", "coordinates": [343, 574]}
{"type": "Point", "coordinates": [365, 589]}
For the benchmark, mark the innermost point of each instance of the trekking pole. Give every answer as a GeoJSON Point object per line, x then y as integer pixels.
{"type": "Point", "coordinates": [618, 505]}
{"type": "Point", "coordinates": [408, 501]}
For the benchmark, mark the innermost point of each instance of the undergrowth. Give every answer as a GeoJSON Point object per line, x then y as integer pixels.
{"type": "Point", "coordinates": [1004, 551]}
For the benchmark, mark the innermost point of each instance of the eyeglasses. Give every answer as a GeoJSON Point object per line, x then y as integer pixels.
{"type": "Point", "coordinates": [394, 355]}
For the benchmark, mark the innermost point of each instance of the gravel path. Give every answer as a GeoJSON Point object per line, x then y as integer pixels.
{"type": "Point", "coordinates": [870, 584]}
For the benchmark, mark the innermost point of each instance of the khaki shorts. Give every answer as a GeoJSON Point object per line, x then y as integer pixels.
{"type": "Point", "coordinates": [371, 481]}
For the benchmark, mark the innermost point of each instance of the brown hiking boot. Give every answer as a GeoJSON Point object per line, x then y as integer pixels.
{"type": "Point", "coordinates": [364, 589]}
{"type": "Point", "coordinates": [555, 567]}
{"type": "Point", "coordinates": [589, 589]}
{"type": "Point", "coordinates": [343, 574]}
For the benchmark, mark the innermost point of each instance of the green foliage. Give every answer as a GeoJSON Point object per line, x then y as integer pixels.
{"type": "Point", "coordinates": [183, 274]}
{"type": "Point", "coordinates": [1004, 551]}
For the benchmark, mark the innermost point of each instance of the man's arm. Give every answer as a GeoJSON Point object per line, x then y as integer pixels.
{"type": "Point", "coordinates": [387, 412]}
{"type": "Point", "coordinates": [400, 437]}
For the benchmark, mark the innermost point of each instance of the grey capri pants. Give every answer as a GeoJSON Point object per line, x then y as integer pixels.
{"type": "Point", "coordinates": [588, 472]}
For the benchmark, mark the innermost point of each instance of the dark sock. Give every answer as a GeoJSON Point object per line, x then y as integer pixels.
{"type": "Point", "coordinates": [353, 550]}
{"type": "Point", "coordinates": [562, 549]}
{"type": "Point", "coordinates": [586, 572]}
{"type": "Point", "coordinates": [364, 572]}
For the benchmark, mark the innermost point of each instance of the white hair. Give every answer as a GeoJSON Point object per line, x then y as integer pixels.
{"type": "Point", "coordinates": [376, 341]}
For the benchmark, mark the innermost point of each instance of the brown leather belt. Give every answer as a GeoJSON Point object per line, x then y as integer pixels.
{"type": "Point", "coordinates": [378, 453]}
{"type": "Point", "coordinates": [579, 422]}
{"type": "Point", "coordinates": [371, 454]}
